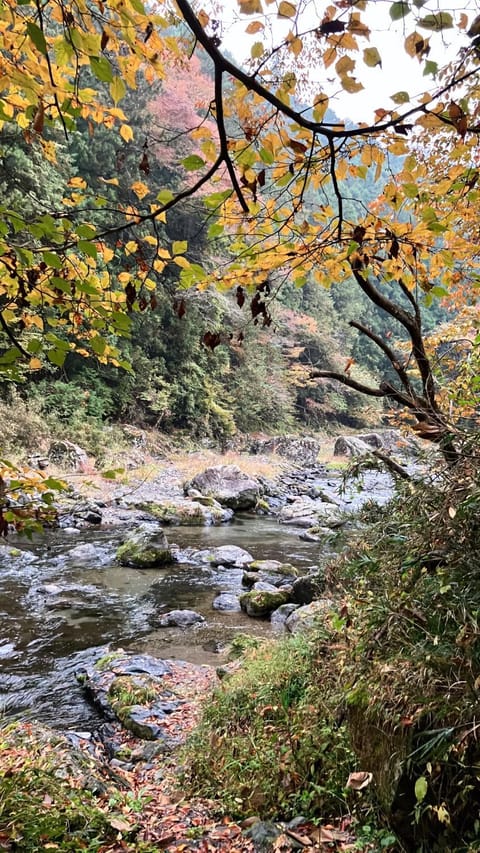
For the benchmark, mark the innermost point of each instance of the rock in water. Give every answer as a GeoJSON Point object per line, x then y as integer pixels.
{"type": "Point", "coordinates": [228, 485]}
{"type": "Point", "coordinates": [146, 548]}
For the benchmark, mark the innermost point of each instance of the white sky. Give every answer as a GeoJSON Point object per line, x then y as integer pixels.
{"type": "Point", "coordinates": [398, 72]}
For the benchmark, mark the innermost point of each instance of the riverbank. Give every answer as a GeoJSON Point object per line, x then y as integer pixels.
{"type": "Point", "coordinates": [200, 823]}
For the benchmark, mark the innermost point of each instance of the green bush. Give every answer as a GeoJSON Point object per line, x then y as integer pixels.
{"type": "Point", "coordinates": [270, 741]}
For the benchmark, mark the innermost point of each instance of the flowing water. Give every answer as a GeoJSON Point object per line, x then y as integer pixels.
{"type": "Point", "coordinates": [66, 598]}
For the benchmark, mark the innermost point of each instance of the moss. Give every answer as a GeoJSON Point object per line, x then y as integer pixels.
{"type": "Point", "coordinates": [262, 602]}
{"type": "Point", "coordinates": [139, 555]}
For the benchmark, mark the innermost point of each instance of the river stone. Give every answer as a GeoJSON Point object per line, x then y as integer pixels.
{"type": "Point", "coordinates": [356, 445]}
{"type": "Point", "coordinates": [265, 566]}
{"type": "Point", "coordinates": [16, 556]}
{"type": "Point", "coordinates": [146, 548]}
{"type": "Point", "coordinates": [87, 512]}
{"type": "Point", "coordinates": [228, 485]}
{"type": "Point", "coordinates": [264, 586]}
{"type": "Point", "coordinates": [305, 589]}
{"type": "Point", "coordinates": [280, 616]}
{"type": "Point", "coordinates": [189, 512]}
{"type": "Point", "coordinates": [84, 553]}
{"type": "Point", "coordinates": [305, 512]}
{"type": "Point", "coordinates": [226, 601]}
{"type": "Point", "coordinates": [310, 616]}
{"type": "Point", "coordinates": [262, 602]}
{"type": "Point", "coordinates": [180, 619]}
{"type": "Point", "coordinates": [68, 454]}
{"type": "Point", "coordinates": [224, 555]}
{"type": "Point", "coordinates": [303, 450]}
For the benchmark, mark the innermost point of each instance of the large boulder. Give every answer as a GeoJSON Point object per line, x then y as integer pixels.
{"type": "Point", "coordinates": [306, 512]}
{"type": "Point", "coordinates": [69, 455]}
{"type": "Point", "coordinates": [146, 548]}
{"type": "Point", "coordinates": [228, 485]}
{"type": "Point", "coordinates": [303, 450]}
{"type": "Point", "coordinates": [189, 512]}
{"type": "Point", "coordinates": [357, 445]}
{"type": "Point", "coordinates": [314, 615]}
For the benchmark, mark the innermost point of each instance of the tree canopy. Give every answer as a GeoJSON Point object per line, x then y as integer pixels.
{"type": "Point", "coordinates": [271, 162]}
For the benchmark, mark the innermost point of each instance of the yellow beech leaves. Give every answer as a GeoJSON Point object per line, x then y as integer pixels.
{"type": "Point", "coordinates": [285, 185]}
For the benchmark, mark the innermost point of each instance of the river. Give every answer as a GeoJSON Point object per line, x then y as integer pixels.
{"type": "Point", "coordinates": [61, 603]}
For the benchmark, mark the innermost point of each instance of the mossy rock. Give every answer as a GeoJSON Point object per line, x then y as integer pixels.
{"type": "Point", "coordinates": [262, 602]}
{"type": "Point", "coordinates": [147, 548]}
{"type": "Point", "coordinates": [199, 512]}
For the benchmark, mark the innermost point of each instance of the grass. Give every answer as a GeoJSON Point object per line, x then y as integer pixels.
{"type": "Point", "coordinates": [273, 729]}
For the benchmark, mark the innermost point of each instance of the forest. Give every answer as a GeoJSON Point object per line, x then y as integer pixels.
{"type": "Point", "coordinates": [212, 249]}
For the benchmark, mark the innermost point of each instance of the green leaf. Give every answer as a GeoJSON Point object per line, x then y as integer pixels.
{"type": "Point", "coordinates": [63, 52]}
{"type": "Point", "coordinates": [52, 260]}
{"type": "Point", "coordinates": [86, 232]}
{"type": "Point", "coordinates": [421, 788]}
{"type": "Point", "coordinates": [36, 35]}
{"type": "Point", "coordinates": [436, 22]}
{"type": "Point", "coordinates": [56, 485]}
{"type": "Point", "coordinates": [88, 248]}
{"type": "Point", "coordinates": [215, 230]}
{"type": "Point", "coordinates": [138, 6]}
{"type": "Point", "coordinates": [399, 10]}
{"type": "Point", "coordinates": [410, 190]}
{"type": "Point", "coordinates": [430, 67]}
{"type": "Point", "coordinates": [400, 97]}
{"type": "Point", "coordinates": [117, 89]}
{"type": "Point", "coordinates": [98, 345]}
{"type": "Point", "coordinates": [164, 196]}
{"type": "Point", "coordinates": [113, 473]}
{"type": "Point", "coordinates": [215, 200]}
{"type": "Point", "coordinates": [266, 156]}
{"type": "Point", "coordinates": [179, 247]}
{"type": "Point", "coordinates": [101, 68]}
{"type": "Point", "coordinates": [56, 357]}
{"type": "Point", "coordinates": [193, 162]}
{"type": "Point", "coordinates": [371, 57]}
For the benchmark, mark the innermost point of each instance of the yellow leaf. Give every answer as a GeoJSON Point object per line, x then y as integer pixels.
{"type": "Point", "coordinates": [257, 50]}
{"type": "Point", "coordinates": [124, 277]}
{"type": "Point", "coordinates": [254, 27]}
{"type": "Point", "coordinates": [250, 7]}
{"type": "Point", "coordinates": [182, 262]}
{"type": "Point", "coordinates": [77, 182]}
{"type": "Point", "coordinates": [131, 247]}
{"type": "Point", "coordinates": [35, 364]}
{"type": "Point", "coordinates": [107, 254]}
{"type": "Point", "coordinates": [371, 57]}
{"type": "Point", "coordinates": [344, 65]}
{"type": "Point", "coordinates": [286, 9]}
{"type": "Point", "coordinates": [320, 106]}
{"type": "Point", "coordinates": [117, 89]}
{"type": "Point", "coordinates": [126, 132]}
{"type": "Point", "coordinates": [350, 84]}
{"type": "Point", "coordinates": [140, 189]}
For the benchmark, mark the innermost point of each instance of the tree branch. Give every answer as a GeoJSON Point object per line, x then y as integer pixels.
{"type": "Point", "coordinates": [12, 337]}
{"type": "Point", "coordinates": [350, 383]}
{"type": "Point", "coordinates": [253, 85]}
{"type": "Point", "coordinates": [400, 370]}
{"type": "Point", "coordinates": [223, 139]}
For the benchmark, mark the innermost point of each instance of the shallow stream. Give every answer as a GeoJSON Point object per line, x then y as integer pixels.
{"type": "Point", "coordinates": [60, 607]}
